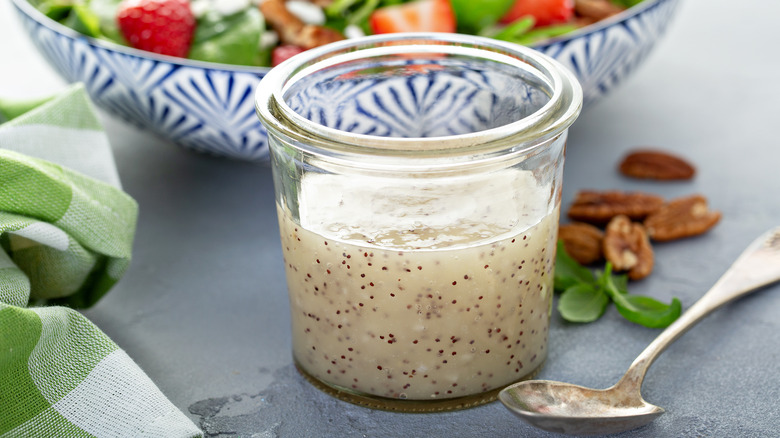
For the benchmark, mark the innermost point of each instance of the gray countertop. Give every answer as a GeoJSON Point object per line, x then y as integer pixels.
{"type": "Point", "coordinates": [203, 309]}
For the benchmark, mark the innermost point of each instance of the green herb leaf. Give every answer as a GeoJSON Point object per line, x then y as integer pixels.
{"type": "Point", "coordinates": [620, 282]}
{"type": "Point", "coordinates": [582, 303]}
{"type": "Point", "coordinates": [585, 297]}
{"type": "Point", "coordinates": [639, 309]}
{"type": "Point", "coordinates": [568, 272]}
{"type": "Point", "coordinates": [649, 312]}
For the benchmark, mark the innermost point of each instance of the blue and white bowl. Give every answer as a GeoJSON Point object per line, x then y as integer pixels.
{"type": "Point", "coordinates": [210, 108]}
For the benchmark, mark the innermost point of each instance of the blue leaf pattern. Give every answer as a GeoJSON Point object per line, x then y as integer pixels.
{"type": "Point", "coordinates": [212, 110]}
{"type": "Point", "coordinates": [448, 100]}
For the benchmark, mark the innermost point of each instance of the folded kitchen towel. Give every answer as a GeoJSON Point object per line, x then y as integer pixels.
{"type": "Point", "coordinates": [66, 234]}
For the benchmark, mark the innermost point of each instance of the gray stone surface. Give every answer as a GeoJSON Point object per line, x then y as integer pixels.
{"type": "Point", "coordinates": [203, 309]}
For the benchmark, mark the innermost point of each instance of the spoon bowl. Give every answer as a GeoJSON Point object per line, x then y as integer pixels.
{"type": "Point", "coordinates": [571, 409]}
{"type": "Point", "coordinates": [577, 410]}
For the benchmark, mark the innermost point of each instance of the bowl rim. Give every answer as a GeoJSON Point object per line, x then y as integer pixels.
{"type": "Point", "coordinates": [520, 136]}
{"type": "Point", "coordinates": [32, 12]}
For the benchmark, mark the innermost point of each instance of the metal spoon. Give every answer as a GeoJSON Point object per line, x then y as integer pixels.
{"type": "Point", "coordinates": [571, 409]}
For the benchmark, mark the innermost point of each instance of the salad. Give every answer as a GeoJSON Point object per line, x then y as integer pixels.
{"type": "Point", "coordinates": [266, 32]}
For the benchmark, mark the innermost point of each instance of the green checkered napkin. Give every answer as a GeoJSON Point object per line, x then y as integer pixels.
{"type": "Point", "coordinates": [66, 233]}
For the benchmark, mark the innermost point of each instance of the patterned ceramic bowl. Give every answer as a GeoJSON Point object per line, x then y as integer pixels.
{"type": "Point", "coordinates": [209, 107]}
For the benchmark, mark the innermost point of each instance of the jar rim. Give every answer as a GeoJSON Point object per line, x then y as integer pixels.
{"type": "Point", "coordinates": [554, 117]}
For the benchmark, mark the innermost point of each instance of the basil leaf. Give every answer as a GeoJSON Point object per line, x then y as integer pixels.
{"type": "Point", "coordinates": [568, 272]}
{"type": "Point", "coordinates": [639, 309]}
{"type": "Point", "coordinates": [585, 297]}
{"type": "Point", "coordinates": [620, 282]}
{"type": "Point", "coordinates": [582, 303]}
{"type": "Point", "coordinates": [473, 16]}
{"type": "Point", "coordinates": [649, 312]}
{"type": "Point", "coordinates": [231, 40]}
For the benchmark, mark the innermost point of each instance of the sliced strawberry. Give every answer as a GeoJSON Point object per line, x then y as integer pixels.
{"type": "Point", "coordinates": [159, 26]}
{"type": "Point", "coordinates": [545, 12]}
{"type": "Point", "coordinates": [417, 16]}
{"type": "Point", "coordinates": [283, 53]}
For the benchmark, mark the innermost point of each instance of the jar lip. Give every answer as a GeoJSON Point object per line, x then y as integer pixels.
{"type": "Point", "coordinates": [551, 119]}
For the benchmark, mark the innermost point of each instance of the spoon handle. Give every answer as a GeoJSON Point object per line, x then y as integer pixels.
{"type": "Point", "coordinates": [757, 266]}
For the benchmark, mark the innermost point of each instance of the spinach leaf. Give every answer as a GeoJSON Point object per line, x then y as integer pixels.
{"type": "Point", "coordinates": [231, 40]}
{"type": "Point", "coordinates": [360, 15]}
{"type": "Point", "coordinates": [515, 30]}
{"type": "Point", "coordinates": [83, 20]}
{"type": "Point", "coordinates": [339, 7]}
{"type": "Point", "coordinates": [106, 11]}
{"type": "Point", "coordinates": [626, 3]}
{"type": "Point", "coordinates": [543, 33]}
{"type": "Point", "coordinates": [474, 16]}
{"type": "Point", "coordinates": [55, 9]}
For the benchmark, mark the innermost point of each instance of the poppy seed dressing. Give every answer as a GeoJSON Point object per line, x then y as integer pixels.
{"type": "Point", "coordinates": [397, 291]}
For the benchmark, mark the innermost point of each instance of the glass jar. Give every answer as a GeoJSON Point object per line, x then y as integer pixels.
{"type": "Point", "coordinates": [418, 183]}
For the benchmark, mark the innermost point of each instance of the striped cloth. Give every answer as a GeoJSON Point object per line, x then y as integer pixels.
{"type": "Point", "coordinates": [66, 233]}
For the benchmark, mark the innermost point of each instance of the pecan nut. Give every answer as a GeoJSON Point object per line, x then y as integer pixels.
{"type": "Point", "coordinates": [655, 164]}
{"type": "Point", "coordinates": [599, 207]}
{"type": "Point", "coordinates": [627, 247]}
{"type": "Point", "coordinates": [596, 9]}
{"type": "Point", "coordinates": [682, 217]}
{"type": "Point", "coordinates": [582, 242]}
{"type": "Point", "coordinates": [292, 30]}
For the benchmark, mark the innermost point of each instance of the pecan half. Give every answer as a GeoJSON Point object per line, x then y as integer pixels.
{"type": "Point", "coordinates": [596, 9]}
{"type": "Point", "coordinates": [627, 247]}
{"type": "Point", "coordinates": [292, 30]}
{"type": "Point", "coordinates": [582, 241]}
{"type": "Point", "coordinates": [655, 164]}
{"type": "Point", "coordinates": [599, 207]}
{"type": "Point", "coordinates": [682, 217]}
